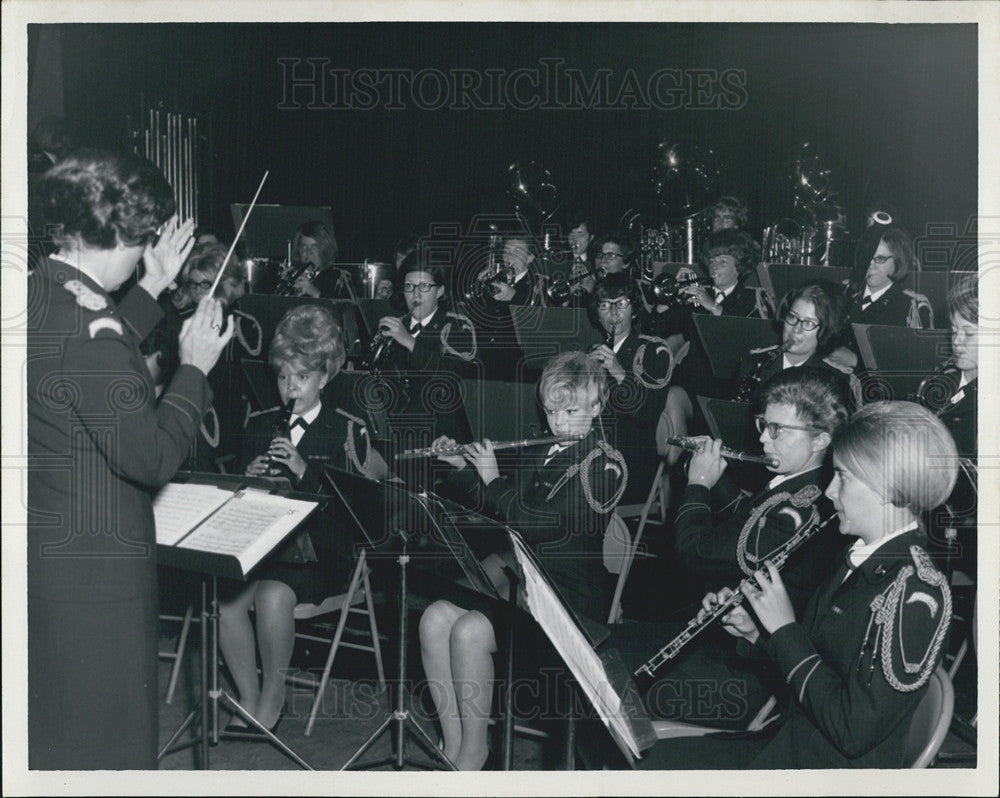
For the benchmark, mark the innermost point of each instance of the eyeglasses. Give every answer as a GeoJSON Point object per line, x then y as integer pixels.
{"type": "Point", "coordinates": [423, 288]}
{"type": "Point", "coordinates": [201, 285]}
{"type": "Point", "coordinates": [774, 428]}
{"type": "Point", "coordinates": [609, 255]}
{"type": "Point", "coordinates": [622, 304]}
{"type": "Point", "coordinates": [880, 259]}
{"type": "Point", "coordinates": [795, 321]}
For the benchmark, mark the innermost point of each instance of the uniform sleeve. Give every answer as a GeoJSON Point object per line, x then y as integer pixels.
{"type": "Point", "coordinates": [858, 710]}
{"type": "Point", "coordinates": [143, 441]}
{"type": "Point", "coordinates": [140, 312]}
{"type": "Point", "coordinates": [426, 353]}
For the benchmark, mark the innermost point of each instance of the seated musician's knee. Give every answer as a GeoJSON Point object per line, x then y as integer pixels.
{"type": "Point", "coordinates": [473, 632]}
{"type": "Point", "coordinates": [436, 622]}
{"type": "Point", "coordinates": [274, 597]}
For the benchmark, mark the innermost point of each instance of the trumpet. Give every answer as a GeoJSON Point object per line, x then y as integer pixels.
{"type": "Point", "coordinates": [378, 350]}
{"type": "Point", "coordinates": [482, 288]}
{"type": "Point", "coordinates": [559, 291]}
{"type": "Point", "coordinates": [666, 288]}
{"type": "Point", "coordinates": [286, 285]}
{"type": "Point", "coordinates": [699, 622]}
{"type": "Point", "coordinates": [694, 445]}
{"type": "Point", "coordinates": [448, 451]}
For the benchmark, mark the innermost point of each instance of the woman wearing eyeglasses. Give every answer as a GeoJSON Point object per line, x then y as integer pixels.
{"type": "Point", "coordinates": [722, 537]}
{"type": "Point", "coordinates": [638, 379]}
{"type": "Point", "coordinates": [883, 259]}
{"type": "Point", "coordinates": [812, 316]}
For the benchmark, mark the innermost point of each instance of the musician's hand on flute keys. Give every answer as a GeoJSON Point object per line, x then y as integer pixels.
{"type": "Point", "coordinates": [446, 443]}
{"type": "Point", "coordinates": [770, 602]}
{"type": "Point", "coordinates": [483, 459]}
{"type": "Point", "coordinates": [707, 464]}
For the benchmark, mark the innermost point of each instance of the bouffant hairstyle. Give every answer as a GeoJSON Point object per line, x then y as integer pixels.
{"type": "Point", "coordinates": [322, 234]}
{"type": "Point", "coordinates": [572, 376]}
{"type": "Point", "coordinates": [902, 451]}
{"type": "Point", "coordinates": [208, 258]}
{"type": "Point", "coordinates": [307, 334]}
{"type": "Point", "coordinates": [963, 297]}
{"type": "Point", "coordinates": [735, 243]}
{"type": "Point", "coordinates": [831, 311]}
{"type": "Point", "coordinates": [101, 199]}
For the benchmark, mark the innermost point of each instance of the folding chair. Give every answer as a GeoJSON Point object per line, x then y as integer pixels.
{"type": "Point", "coordinates": [358, 593]}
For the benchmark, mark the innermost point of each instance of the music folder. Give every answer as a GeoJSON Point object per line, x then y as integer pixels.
{"type": "Point", "coordinates": [225, 524]}
{"type": "Point", "coordinates": [271, 228]}
{"type": "Point", "coordinates": [898, 358]}
{"type": "Point", "coordinates": [780, 278]}
{"type": "Point", "coordinates": [544, 332]}
{"type": "Point", "coordinates": [731, 422]}
{"type": "Point", "coordinates": [718, 333]}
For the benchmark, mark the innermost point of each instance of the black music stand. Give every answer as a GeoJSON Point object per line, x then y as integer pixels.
{"type": "Point", "coordinates": [211, 567]}
{"type": "Point", "coordinates": [780, 278]}
{"type": "Point", "coordinates": [545, 332]}
{"type": "Point", "coordinates": [730, 422]}
{"type": "Point", "coordinates": [270, 229]}
{"type": "Point", "coordinates": [898, 358]}
{"type": "Point", "coordinates": [717, 334]}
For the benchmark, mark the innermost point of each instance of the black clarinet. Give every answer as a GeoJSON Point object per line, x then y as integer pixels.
{"type": "Point", "coordinates": [753, 379]}
{"type": "Point", "coordinates": [281, 430]}
{"type": "Point", "coordinates": [937, 388]}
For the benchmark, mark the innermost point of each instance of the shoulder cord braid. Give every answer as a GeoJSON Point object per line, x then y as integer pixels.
{"type": "Point", "coordinates": [212, 438]}
{"type": "Point", "coordinates": [252, 350]}
{"type": "Point", "coordinates": [804, 497]}
{"type": "Point", "coordinates": [640, 356]}
{"type": "Point", "coordinates": [466, 325]}
{"type": "Point", "coordinates": [887, 614]}
{"type": "Point", "coordinates": [918, 301]}
{"type": "Point", "coordinates": [350, 448]}
{"type": "Point", "coordinates": [583, 469]}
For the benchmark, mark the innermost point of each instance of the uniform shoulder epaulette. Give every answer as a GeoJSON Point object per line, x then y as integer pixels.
{"type": "Point", "coordinates": [90, 300]}
{"type": "Point", "coordinates": [466, 325]}
{"type": "Point", "coordinates": [790, 504]}
{"type": "Point", "coordinates": [639, 369]}
{"type": "Point", "coordinates": [842, 367]}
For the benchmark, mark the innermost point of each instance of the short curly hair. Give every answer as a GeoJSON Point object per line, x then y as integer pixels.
{"type": "Point", "coordinates": [103, 198]}
{"type": "Point", "coordinates": [818, 397]}
{"type": "Point", "coordinates": [735, 243]}
{"type": "Point", "coordinates": [831, 311]}
{"type": "Point", "coordinates": [208, 258]}
{"type": "Point", "coordinates": [308, 334]}
{"type": "Point", "coordinates": [902, 451]}
{"type": "Point", "coordinates": [572, 376]}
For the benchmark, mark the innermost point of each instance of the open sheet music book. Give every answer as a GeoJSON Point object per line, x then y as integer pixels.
{"type": "Point", "coordinates": [223, 530]}
{"type": "Point", "coordinates": [627, 723]}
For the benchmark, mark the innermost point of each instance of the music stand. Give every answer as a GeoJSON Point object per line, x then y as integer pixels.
{"type": "Point", "coordinates": [730, 422]}
{"type": "Point", "coordinates": [270, 229]}
{"type": "Point", "coordinates": [717, 334]}
{"type": "Point", "coordinates": [900, 358]}
{"type": "Point", "coordinates": [545, 332]}
{"type": "Point", "coordinates": [780, 278]}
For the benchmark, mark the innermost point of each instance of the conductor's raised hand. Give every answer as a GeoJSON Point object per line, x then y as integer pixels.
{"type": "Point", "coordinates": [483, 459]}
{"type": "Point", "coordinates": [205, 335]}
{"type": "Point", "coordinates": [454, 460]}
{"type": "Point", "coordinates": [770, 602]}
{"type": "Point", "coordinates": [163, 260]}
{"type": "Point", "coordinates": [707, 464]}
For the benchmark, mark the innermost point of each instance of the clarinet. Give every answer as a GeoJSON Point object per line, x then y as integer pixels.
{"type": "Point", "coordinates": [750, 382]}
{"type": "Point", "coordinates": [281, 430]}
{"type": "Point", "coordinates": [697, 624]}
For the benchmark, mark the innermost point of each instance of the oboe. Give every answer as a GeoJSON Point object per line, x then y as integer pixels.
{"type": "Point", "coordinates": [699, 622]}
{"type": "Point", "coordinates": [280, 431]}
{"type": "Point", "coordinates": [694, 445]}
{"type": "Point", "coordinates": [447, 451]}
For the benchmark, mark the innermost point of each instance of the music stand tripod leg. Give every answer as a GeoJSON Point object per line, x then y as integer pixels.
{"type": "Point", "coordinates": [400, 717]}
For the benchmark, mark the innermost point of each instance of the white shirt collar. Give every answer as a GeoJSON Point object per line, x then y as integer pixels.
{"type": "Point", "coordinates": [425, 320]}
{"type": "Point", "coordinates": [861, 551]}
{"type": "Point", "coordinates": [873, 295]}
{"type": "Point", "coordinates": [79, 268]}
{"type": "Point", "coordinates": [309, 416]}
{"type": "Point", "coordinates": [521, 276]}
{"type": "Point", "coordinates": [727, 291]}
{"type": "Point", "coordinates": [618, 346]}
{"type": "Point", "coordinates": [778, 479]}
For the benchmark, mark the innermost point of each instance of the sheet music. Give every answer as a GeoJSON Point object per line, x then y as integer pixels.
{"type": "Point", "coordinates": [178, 507]}
{"type": "Point", "coordinates": [583, 661]}
{"type": "Point", "coordinates": [249, 527]}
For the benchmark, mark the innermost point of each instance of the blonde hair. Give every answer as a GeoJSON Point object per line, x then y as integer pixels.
{"type": "Point", "coordinates": [570, 376]}
{"type": "Point", "coordinates": [902, 451]}
{"type": "Point", "coordinates": [307, 334]}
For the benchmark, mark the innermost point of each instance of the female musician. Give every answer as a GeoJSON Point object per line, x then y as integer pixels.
{"type": "Point", "coordinates": [882, 260]}
{"type": "Point", "coordinates": [637, 387]}
{"type": "Point", "coordinates": [561, 507]}
{"type": "Point", "coordinates": [812, 318]}
{"type": "Point", "coordinates": [98, 445]}
{"type": "Point", "coordinates": [307, 352]}
{"type": "Point", "coordinates": [614, 254]}
{"type": "Point", "coordinates": [729, 258]}
{"type": "Point", "coordinates": [518, 256]}
{"type": "Point", "coordinates": [315, 250]}
{"type": "Point", "coordinates": [728, 213]}
{"type": "Point", "coordinates": [580, 238]}
{"type": "Point", "coordinates": [802, 409]}
{"type": "Point", "coordinates": [858, 661]}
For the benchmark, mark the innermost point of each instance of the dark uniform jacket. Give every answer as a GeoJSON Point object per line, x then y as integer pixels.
{"type": "Point", "coordinates": [727, 552]}
{"type": "Point", "coordinates": [892, 308]}
{"type": "Point", "coordinates": [633, 410]}
{"type": "Point", "coordinates": [524, 289]}
{"type": "Point", "coordinates": [549, 505]}
{"type": "Point", "coordinates": [99, 444]}
{"type": "Point", "coordinates": [757, 368]}
{"type": "Point", "coordinates": [851, 708]}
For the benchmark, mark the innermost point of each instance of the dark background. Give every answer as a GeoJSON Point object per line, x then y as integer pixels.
{"type": "Point", "coordinates": [891, 109]}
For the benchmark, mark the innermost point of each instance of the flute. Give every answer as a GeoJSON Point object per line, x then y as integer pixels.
{"type": "Point", "coordinates": [447, 451]}
{"type": "Point", "coordinates": [698, 623]}
{"type": "Point", "coordinates": [694, 445]}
